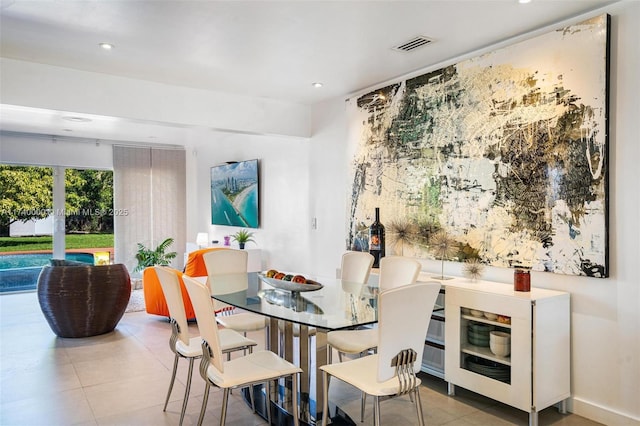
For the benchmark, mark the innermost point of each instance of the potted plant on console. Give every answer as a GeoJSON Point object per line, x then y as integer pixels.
{"type": "Point", "coordinates": [243, 236]}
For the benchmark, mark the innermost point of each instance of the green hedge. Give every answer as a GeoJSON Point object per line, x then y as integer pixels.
{"type": "Point", "coordinates": [72, 241]}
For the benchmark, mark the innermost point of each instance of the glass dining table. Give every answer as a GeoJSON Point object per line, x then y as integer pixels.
{"type": "Point", "coordinates": [300, 316]}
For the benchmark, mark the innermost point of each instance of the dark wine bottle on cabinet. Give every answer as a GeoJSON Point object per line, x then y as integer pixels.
{"type": "Point", "coordinates": [376, 240]}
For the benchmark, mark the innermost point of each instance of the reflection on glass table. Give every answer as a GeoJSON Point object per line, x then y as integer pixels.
{"type": "Point", "coordinates": [337, 305]}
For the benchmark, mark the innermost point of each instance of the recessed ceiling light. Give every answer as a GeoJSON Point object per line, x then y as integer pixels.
{"type": "Point", "coordinates": [317, 84]}
{"type": "Point", "coordinates": [106, 46]}
{"type": "Point", "coordinates": [524, 1]}
{"type": "Point", "coordinates": [76, 119]}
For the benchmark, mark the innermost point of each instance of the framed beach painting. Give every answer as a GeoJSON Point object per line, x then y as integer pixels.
{"type": "Point", "coordinates": [235, 194]}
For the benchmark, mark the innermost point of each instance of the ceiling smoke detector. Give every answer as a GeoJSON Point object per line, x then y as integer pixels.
{"type": "Point", "coordinates": [413, 44]}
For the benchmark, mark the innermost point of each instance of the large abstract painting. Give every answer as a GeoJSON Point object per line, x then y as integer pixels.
{"type": "Point", "coordinates": [504, 153]}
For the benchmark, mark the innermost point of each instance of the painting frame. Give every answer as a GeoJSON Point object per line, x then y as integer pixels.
{"type": "Point", "coordinates": [505, 152]}
{"type": "Point", "coordinates": [235, 194]}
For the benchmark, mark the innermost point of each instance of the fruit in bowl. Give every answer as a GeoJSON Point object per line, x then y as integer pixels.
{"type": "Point", "coordinates": [294, 278]}
{"type": "Point", "coordinates": [270, 273]}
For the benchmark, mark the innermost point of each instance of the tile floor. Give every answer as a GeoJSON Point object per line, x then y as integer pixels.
{"type": "Point", "coordinates": [121, 378]}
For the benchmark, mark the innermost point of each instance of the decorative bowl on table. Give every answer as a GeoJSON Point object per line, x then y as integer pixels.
{"type": "Point", "coordinates": [289, 282]}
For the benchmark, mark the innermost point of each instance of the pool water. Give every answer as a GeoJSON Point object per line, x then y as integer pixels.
{"type": "Point", "coordinates": [26, 260]}
{"type": "Point", "coordinates": [19, 272]}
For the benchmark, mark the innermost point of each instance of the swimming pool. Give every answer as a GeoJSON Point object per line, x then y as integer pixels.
{"type": "Point", "coordinates": [19, 272]}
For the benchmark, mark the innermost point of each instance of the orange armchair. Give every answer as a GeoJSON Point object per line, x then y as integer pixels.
{"type": "Point", "coordinates": [154, 300]}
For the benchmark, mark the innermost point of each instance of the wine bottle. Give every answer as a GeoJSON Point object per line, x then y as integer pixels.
{"type": "Point", "coordinates": [376, 240]}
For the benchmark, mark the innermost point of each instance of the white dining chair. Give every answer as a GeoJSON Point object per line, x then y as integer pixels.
{"type": "Point", "coordinates": [392, 370]}
{"type": "Point", "coordinates": [394, 271]}
{"type": "Point", "coordinates": [180, 342]}
{"type": "Point", "coordinates": [255, 368]}
{"type": "Point", "coordinates": [355, 270]}
{"type": "Point", "coordinates": [356, 266]}
{"type": "Point", "coordinates": [224, 262]}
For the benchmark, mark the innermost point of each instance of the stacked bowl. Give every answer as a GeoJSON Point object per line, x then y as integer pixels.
{"type": "Point", "coordinates": [500, 343]}
{"type": "Point", "coordinates": [478, 334]}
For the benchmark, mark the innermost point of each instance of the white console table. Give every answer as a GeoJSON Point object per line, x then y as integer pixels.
{"type": "Point", "coordinates": [254, 262]}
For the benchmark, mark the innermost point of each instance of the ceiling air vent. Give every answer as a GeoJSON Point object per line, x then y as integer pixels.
{"type": "Point", "coordinates": [413, 44]}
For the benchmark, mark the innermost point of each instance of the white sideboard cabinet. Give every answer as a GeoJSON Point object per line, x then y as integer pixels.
{"type": "Point", "coordinates": [536, 374]}
{"type": "Point", "coordinates": [254, 260]}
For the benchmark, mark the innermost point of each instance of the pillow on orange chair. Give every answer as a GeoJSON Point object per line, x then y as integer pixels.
{"type": "Point", "coordinates": [154, 299]}
{"type": "Point", "coordinates": [195, 266]}
{"type": "Point", "coordinates": [153, 295]}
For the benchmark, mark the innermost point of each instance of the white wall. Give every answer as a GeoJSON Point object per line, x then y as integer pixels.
{"type": "Point", "coordinates": [284, 194]}
{"type": "Point", "coordinates": [605, 312]}
{"type": "Point", "coordinates": [39, 151]}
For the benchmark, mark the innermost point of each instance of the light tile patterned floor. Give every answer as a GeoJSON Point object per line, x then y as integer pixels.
{"type": "Point", "coordinates": [121, 378]}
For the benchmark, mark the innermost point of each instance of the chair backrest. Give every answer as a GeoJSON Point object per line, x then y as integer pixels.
{"type": "Point", "coordinates": [205, 316]}
{"type": "Point", "coordinates": [195, 266]}
{"type": "Point", "coordinates": [220, 262]}
{"type": "Point", "coordinates": [226, 262]}
{"type": "Point", "coordinates": [403, 319]}
{"type": "Point", "coordinates": [356, 266]}
{"type": "Point", "coordinates": [173, 295]}
{"type": "Point", "coordinates": [398, 270]}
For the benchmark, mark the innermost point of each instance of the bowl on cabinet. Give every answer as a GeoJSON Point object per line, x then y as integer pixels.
{"type": "Point", "coordinates": [491, 316]}
{"type": "Point", "coordinates": [500, 343]}
{"type": "Point", "coordinates": [476, 313]}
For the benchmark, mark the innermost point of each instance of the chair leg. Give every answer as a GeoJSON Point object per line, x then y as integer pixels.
{"type": "Point", "coordinates": [325, 396]}
{"type": "Point", "coordinates": [253, 403]}
{"type": "Point", "coordinates": [329, 354]}
{"type": "Point", "coordinates": [363, 402]}
{"type": "Point", "coordinates": [339, 356]}
{"type": "Point", "coordinates": [173, 379]}
{"type": "Point", "coordinates": [186, 390]}
{"type": "Point", "coordinates": [205, 398]}
{"type": "Point", "coordinates": [376, 411]}
{"type": "Point", "coordinates": [225, 400]}
{"type": "Point", "coordinates": [244, 351]}
{"type": "Point", "coordinates": [296, 414]}
{"type": "Point", "coordinates": [267, 401]}
{"type": "Point", "coordinates": [419, 406]}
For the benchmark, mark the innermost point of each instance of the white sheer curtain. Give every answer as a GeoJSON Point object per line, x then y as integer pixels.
{"type": "Point", "coordinates": [149, 195]}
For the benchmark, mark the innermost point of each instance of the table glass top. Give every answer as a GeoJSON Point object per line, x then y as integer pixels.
{"type": "Point", "coordinates": [337, 305]}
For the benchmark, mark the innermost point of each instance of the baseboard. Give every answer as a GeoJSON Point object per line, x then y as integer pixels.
{"type": "Point", "coordinates": [601, 414]}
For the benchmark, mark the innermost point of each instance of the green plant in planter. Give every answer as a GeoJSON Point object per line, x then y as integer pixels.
{"type": "Point", "coordinates": [242, 237]}
{"type": "Point", "coordinates": [151, 257]}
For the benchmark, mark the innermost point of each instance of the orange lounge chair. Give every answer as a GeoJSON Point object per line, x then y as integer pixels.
{"type": "Point", "coordinates": [154, 297]}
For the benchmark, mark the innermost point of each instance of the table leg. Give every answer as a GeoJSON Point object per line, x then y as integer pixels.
{"type": "Point", "coordinates": [288, 342]}
{"type": "Point", "coordinates": [306, 376]}
{"type": "Point", "coordinates": [309, 354]}
{"type": "Point", "coordinates": [321, 359]}
{"type": "Point", "coordinates": [274, 333]}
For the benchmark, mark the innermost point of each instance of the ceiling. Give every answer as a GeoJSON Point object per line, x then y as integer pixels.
{"type": "Point", "coordinates": [272, 49]}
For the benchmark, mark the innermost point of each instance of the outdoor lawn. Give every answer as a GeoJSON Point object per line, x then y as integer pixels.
{"type": "Point", "coordinates": [73, 241]}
